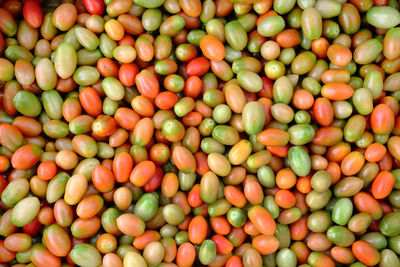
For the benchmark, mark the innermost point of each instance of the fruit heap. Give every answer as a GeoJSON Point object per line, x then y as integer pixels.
{"type": "Point", "coordinates": [188, 133]}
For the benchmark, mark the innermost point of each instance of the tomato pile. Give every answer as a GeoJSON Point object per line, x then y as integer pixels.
{"type": "Point", "coordinates": [188, 133]}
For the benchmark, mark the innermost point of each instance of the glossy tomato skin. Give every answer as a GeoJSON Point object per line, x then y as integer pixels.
{"type": "Point", "coordinates": [32, 13]}
{"type": "Point", "coordinates": [94, 7]}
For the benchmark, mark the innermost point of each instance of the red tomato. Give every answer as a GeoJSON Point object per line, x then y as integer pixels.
{"type": "Point", "coordinates": [95, 7]}
{"type": "Point", "coordinates": [127, 74]}
{"type": "Point", "coordinates": [33, 14]}
{"type": "Point", "coordinates": [380, 2]}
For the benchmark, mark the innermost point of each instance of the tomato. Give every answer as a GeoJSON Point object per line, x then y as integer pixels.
{"type": "Point", "coordinates": [95, 7]}
{"type": "Point", "coordinates": [32, 13]}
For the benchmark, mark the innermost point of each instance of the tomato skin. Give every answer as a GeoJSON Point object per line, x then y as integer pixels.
{"type": "Point", "coordinates": [147, 84]}
{"type": "Point", "coordinates": [380, 2]}
{"type": "Point", "coordinates": [94, 7]}
{"type": "Point", "coordinates": [3, 183]}
{"type": "Point", "coordinates": [383, 184]}
{"type": "Point", "coordinates": [320, 47]}
{"type": "Point", "coordinates": [299, 229]}
{"type": "Point", "coordinates": [273, 137]}
{"type": "Point", "coordinates": [212, 48]}
{"type": "Point", "coordinates": [262, 220]}
{"type": "Point", "coordinates": [339, 55]}
{"type": "Point", "coordinates": [126, 118]}
{"type": "Point", "coordinates": [32, 13]}
{"type": "Point", "coordinates": [224, 246]}
{"type": "Point", "coordinates": [103, 179]}
{"type": "Point", "coordinates": [197, 230]}
{"type": "Point", "coordinates": [220, 225]}
{"type": "Point", "coordinates": [352, 163]}
{"type": "Point", "coordinates": [235, 196]}
{"type": "Point", "coordinates": [365, 253]}
{"type": "Point", "coordinates": [285, 199]}
{"type": "Point", "coordinates": [104, 126]}
{"type": "Point", "coordinates": [142, 173]}
{"type": "Point", "coordinates": [234, 261]}
{"type": "Point", "coordinates": [33, 227]}
{"type": "Point", "coordinates": [41, 256]}
{"type": "Point", "coordinates": [375, 152]}
{"type": "Point", "coordinates": [288, 38]}
{"type": "Point", "coordinates": [166, 100]}
{"type": "Point", "coordinates": [198, 66]}
{"type": "Point", "coordinates": [184, 159]}
{"type": "Point", "coordinates": [91, 101]}
{"type": "Point", "coordinates": [57, 240]}
{"type": "Point", "coordinates": [193, 87]}
{"type": "Point", "coordinates": [265, 244]}
{"type": "Point", "coordinates": [143, 106]}
{"type": "Point", "coordinates": [127, 73]}
{"type": "Point", "coordinates": [364, 202]}
{"type": "Point", "coordinates": [253, 192]}
{"type": "Point", "coordinates": [107, 67]}
{"type": "Point", "coordinates": [122, 167]}
{"type": "Point", "coordinates": [5, 254]}
{"type": "Point", "coordinates": [382, 119]}
{"type": "Point", "coordinates": [11, 137]}
{"type": "Point", "coordinates": [319, 259]}
{"type": "Point", "coordinates": [302, 99]}
{"type": "Point", "coordinates": [337, 91]}
{"type": "Point", "coordinates": [154, 181]}
{"type": "Point", "coordinates": [186, 255]}
{"type": "Point", "coordinates": [47, 170]}
{"type": "Point", "coordinates": [323, 111]}
{"type": "Point", "coordinates": [26, 157]}
{"type": "Point", "coordinates": [194, 198]}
